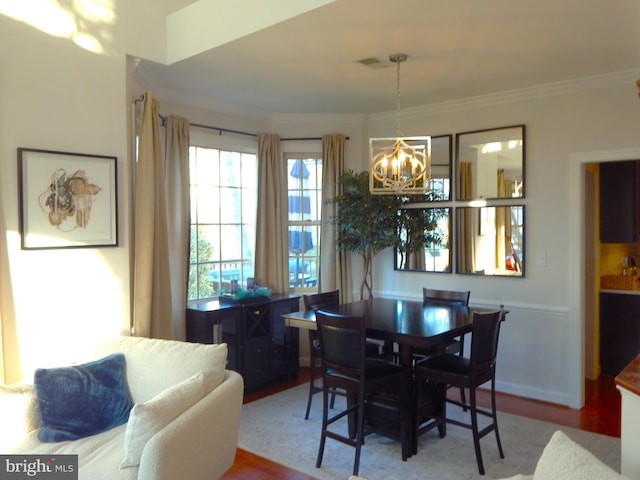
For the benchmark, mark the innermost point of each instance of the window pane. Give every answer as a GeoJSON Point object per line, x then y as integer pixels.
{"type": "Point", "coordinates": [231, 199]}
{"type": "Point", "coordinates": [207, 204]}
{"type": "Point", "coordinates": [208, 243]}
{"type": "Point", "coordinates": [304, 213]}
{"type": "Point", "coordinates": [223, 216]}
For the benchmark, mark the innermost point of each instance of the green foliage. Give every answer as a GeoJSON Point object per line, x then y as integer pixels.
{"type": "Point", "coordinates": [418, 229]}
{"type": "Point", "coordinates": [199, 286]}
{"type": "Point", "coordinates": [365, 224]}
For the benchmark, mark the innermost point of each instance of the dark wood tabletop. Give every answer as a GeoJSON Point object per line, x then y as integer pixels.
{"type": "Point", "coordinates": [409, 323]}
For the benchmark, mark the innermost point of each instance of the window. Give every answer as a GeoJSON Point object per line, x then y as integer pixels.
{"type": "Point", "coordinates": [223, 215]}
{"type": "Point", "coordinates": [305, 208]}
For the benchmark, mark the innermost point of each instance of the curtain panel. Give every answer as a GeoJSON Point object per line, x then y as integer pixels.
{"type": "Point", "coordinates": [161, 212]}
{"type": "Point", "coordinates": [178, 217]}
{"type": "Point", "coordinates": [272, 245]}
{"type": "Point", "coordinates": [334, 271]}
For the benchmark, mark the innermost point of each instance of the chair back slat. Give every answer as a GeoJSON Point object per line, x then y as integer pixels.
{"type": "Point", "coordinates": [484, 338]}
{"type": "Point", "coordinates": [431, 295]}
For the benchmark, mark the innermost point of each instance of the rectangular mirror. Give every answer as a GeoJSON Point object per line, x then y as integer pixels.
{"type": "Point", "coordinates": [424, 240]}
{"type": "Point", "coordinates": [490, 240]}
{"type": "Point", "coordinates": [491, 163]}
{"type": "Point", "coordinates": [441, 164]}
{"type": "Point", "coordinates": [441, 160]}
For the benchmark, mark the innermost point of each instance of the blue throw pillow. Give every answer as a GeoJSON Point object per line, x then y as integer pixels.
{"type": "Point", "coordinates": [82, 400]}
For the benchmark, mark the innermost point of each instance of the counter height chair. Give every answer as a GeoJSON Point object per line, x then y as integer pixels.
{"type": "Point", "coordinates": [445, 297]}
{"type": "Point", "coordinates": [448, 297]}
{"type": "Point", "coordinates": [465, 372]}
{"type": "Point", "coordinates": [323, 301]}
{"type": "Point", "coordinates": [345, 366]}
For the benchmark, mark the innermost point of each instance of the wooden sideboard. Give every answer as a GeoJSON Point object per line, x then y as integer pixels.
{"type": "Point", "coordinates": [261, 347]}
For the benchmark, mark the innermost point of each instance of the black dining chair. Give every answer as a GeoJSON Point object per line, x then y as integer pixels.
{"type": "Point", "coordinates": [325, 301]}
{"type": "Point", "coordinates": [448, 297]}
{"type": "Point", "coordinates": [433, 296]}
{"type": "Point", "coordinates": [345, 366]}
{"type": "Point", "coordinates": [465, 372]}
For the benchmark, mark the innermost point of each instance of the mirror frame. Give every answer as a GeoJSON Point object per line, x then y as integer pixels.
{"type": "Point", "coordinates": [514, 258]}
{"type": "Point", "coordinates": [448, 243]}
{"type": "Point", "coordinates": [492, 135]}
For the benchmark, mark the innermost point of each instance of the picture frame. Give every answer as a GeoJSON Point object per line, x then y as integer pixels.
{"type": "Point", "coordinates": [67, 200]}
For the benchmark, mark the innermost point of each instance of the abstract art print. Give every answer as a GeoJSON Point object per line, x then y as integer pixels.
{"type": "Point", "coordinates": [67, 200]}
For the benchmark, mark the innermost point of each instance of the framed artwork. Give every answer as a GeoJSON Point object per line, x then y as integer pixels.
{"type": "Point", "coordinates": [67, 200]}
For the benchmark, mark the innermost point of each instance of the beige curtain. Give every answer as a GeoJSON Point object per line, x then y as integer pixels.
{"type": "Point", "coordinates": [272, 246]}
{"type": "Point", "coordinates": [416, 260]}
{"type": "Point", "coordinates": [152, 309]}
{"type": "Point", "coordinates": [334, 266]}
{"type": "Point", "coordinates": [10, 365]}
{"type": "Point", "coordinates": [178, 217]}
{"type": "Point", "coordinates": [503, 222]}
{"type": "Point", "coordinates": [468, 222]}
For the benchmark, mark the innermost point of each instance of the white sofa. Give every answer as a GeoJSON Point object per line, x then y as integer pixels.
{"type": "Point", "coordinates": [564, 459]}
{"type": "Point", "coordinates": [199, 443]}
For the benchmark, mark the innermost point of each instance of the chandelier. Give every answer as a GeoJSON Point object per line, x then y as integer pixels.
{"type": "Point", "coordinates": [399, 165]}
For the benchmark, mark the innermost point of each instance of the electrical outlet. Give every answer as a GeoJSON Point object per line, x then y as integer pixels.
{"type": "Point", "coordinates": [541, 259]}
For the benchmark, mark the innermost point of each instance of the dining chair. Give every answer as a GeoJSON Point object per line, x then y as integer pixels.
{"type": "Point", "coordinates": [445, 297]}
{"type": "Point", "coordinates": [448, 297]}
{"type": "Point", "coordinates": [346, 366]}
{"type": "Point", "coordinates": [325, 301]}
{"type": "Point", "coordinates": [465, 372]}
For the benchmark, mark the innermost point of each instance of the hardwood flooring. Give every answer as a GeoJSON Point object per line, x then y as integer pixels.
{"type": "Point", "coordinates": [601, 414]}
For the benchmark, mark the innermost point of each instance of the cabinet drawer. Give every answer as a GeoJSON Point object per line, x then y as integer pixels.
{"type": "Point", "coordinates": [256, 361]}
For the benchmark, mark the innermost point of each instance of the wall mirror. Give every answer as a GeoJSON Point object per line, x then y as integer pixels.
{"type": "Point", "coordinates": [424, 240]}
{"type": "Point", "coordinates": [491, 240]}
{"type": "Point", "coordinates": [491, 163]}
{"type": "Point", "coordinates": [441, 160]}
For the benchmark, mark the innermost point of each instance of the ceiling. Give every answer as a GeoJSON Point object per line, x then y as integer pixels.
{"type": "Point", "coordinates": [457, 49]}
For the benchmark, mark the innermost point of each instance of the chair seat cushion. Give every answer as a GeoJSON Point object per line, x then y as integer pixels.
{"type": "Point", "coordinates": [445, 362]}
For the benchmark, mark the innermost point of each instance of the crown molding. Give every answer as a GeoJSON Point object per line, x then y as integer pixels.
{"type": "Point", "coordinates": [319, 118]}
{"type": "Point", "coordinates": [516, 95]}
{"type": "Point", "coordinates": [191, 100]}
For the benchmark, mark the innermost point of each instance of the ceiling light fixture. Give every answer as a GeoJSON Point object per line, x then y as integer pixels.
{"type": "Point", "coordinates": [399, 165]}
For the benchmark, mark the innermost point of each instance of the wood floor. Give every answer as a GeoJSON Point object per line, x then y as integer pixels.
{"type": "Point", "coordinates": [601, 414]}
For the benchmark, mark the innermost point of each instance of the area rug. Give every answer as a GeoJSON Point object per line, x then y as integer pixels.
{"type": "Point", "coordinates": [274, 427]}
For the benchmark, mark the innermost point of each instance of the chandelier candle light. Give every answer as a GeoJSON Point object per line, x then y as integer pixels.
{"type": "Point", "coordinates": [400, 165]}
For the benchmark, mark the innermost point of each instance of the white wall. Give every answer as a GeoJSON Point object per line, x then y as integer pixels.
{"type": "Point", "coordinates": [55, 95]}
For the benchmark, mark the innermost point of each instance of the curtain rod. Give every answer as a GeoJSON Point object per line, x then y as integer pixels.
{"type": "Point", "coordinates": [237, 132]}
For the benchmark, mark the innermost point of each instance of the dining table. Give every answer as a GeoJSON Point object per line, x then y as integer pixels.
{"type": "Point", "coordinates": [407, 324]}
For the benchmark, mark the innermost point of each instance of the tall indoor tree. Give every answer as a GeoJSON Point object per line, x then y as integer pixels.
{"type": "Point", "coordinates": [365, 224]}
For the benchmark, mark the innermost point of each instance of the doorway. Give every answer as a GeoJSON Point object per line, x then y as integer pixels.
{"type": "Point", "coordinates": [584, 340]}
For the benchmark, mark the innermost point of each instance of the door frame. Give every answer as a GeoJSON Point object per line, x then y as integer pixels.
{"type": "Point", "coordinates": [577, 185]}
